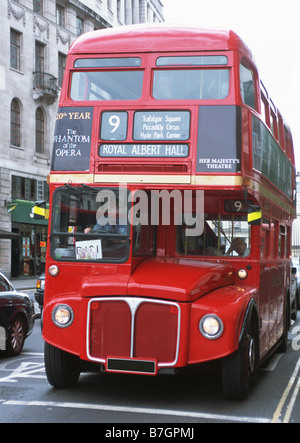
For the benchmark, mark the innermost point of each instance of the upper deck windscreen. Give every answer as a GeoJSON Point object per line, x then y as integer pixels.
{"type": "Point", "coordinates": [187, 81]}
{"type": "Point", "coordinates": [190, 84]}
{"type": "Point", "coordinates": [107, 85]}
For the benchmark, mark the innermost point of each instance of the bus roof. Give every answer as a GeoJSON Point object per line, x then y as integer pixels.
{"type": "Point", "coordinates": [148, 38]}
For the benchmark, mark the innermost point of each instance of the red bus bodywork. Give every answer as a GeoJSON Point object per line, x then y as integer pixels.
{"type": "Point", "coordinates": [143, 314]}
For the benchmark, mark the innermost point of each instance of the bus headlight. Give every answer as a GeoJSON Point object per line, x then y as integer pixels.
{"type": "Point", "coordinates": [242, 274]}
{"type": "Point", "coordinates": [53, 271]}
{"type": "Point", "coordinates": [211, 327]}
{"type": "Point", "coordinates": [62, 316]}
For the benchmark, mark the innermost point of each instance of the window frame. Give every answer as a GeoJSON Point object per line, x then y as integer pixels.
{"type": "Point", "coordinates": [60, 15]}
{"type": "Point", "coordinates": [58, 235]}
{"type": "Point", "coordinates": [40, 130]}
{"type": "Point", "coordinates": [38, 6]}
{"type": "Point", "coordinates": [200, 69]}
{"type": "Point", "coordinates": [104, 71]}
{"type": "Point", "coordinates": [15, 123]}
{"type": "Point", "coordinates": [246, 65]}
{"type": "Point", "coordinates": [17, 47]}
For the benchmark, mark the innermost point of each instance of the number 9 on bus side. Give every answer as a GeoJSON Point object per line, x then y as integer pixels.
{"type": "Point", "coordinates": [236, 206]}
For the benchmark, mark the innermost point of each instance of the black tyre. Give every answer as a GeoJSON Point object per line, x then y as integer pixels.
{"type": "Point", "coordinates": [62, 369]}
{"type": "Point", "coordinates": [239, 369]}
{"type": "Point", "coordinates": [16, 337]}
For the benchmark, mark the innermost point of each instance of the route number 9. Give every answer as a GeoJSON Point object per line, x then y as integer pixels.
{"type": "Point", "coordinates": [115, 122]}
{"type": "Point", "coordinates": [236, 206]}
{"type": "Point", "coordinates": [114, 126]}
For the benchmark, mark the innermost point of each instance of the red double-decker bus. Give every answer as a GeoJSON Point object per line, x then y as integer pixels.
{"type": "Point", "coordinates": [171, 209]}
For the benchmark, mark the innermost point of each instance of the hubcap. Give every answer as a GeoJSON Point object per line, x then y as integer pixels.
{"type": "Point", "coordinates": [249, 359]}
{"type": "Point", "coordinates": [17, 335]}
{"type": "Point", "coordinates": [252, 355]}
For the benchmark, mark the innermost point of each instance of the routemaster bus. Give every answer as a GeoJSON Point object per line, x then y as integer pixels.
{"type": "Point", "coordinates": [171, 208]}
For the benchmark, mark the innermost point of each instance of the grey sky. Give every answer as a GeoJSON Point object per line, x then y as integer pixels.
{"type": "Point", "coordinates": [271, 29]}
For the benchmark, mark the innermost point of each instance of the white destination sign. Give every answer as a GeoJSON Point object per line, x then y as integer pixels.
{"type": "Point", "coordinates": [162, 125]}
{"type": "Point", "coordinates": [139, 150]}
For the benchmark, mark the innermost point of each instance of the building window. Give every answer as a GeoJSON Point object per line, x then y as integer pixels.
{"type": "Point", "coordinates": [39, 57]}
{"type": "Point", "coordinates": [39, 65]}
{"type": "Point", "coordinates": [15, 123]}
{"type": "Point", "coordinates": [42, 190]}
{"type": "Point", "coordinates": [39, 131]}
{"type": "Point", "coordinates": [79, 26]}
{"type": "Point", "coordinates": [119, 10]}
{"type": "Point", "coordinates": [38, 6]}
{"type": "Point", "coordinates": [60, 15]}
{"type": "Point", "coordinates": [62, 58]}
{"type": "Point", "coordinates": [26, 188]}
{"type": "Point", "coordinates": [15, 50]}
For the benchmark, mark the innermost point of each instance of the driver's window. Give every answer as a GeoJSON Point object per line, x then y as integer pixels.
{"type": "Point", "coordinates": [222, 236]}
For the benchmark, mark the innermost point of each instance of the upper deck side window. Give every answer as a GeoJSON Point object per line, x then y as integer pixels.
{"type": "Point", "coordinates": [281, 131]}
{"type": "Point", "coordinates": [265, 111]}
{"type": "Point", "coordinates": [103, 79]}
{"type": "Point", "coordinates": [274, 125]}
{"type": "Point", "coordinates": [247, 86]}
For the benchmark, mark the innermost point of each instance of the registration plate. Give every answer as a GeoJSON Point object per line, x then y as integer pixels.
{"type": "Point", "coordinates": [131, 366]}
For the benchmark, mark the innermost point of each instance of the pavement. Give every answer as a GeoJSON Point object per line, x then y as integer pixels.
{"type": "Point", "coordinates": [22, 284]}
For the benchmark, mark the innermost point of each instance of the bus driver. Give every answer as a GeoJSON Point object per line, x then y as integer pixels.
{"type": "Point", "coordinates": [239, 246]}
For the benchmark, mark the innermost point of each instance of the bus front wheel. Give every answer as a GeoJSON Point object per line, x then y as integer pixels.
{"type": "Point", "coordinates": [239, 369]}
{"type": "Point", "coordinates": [62, 368]}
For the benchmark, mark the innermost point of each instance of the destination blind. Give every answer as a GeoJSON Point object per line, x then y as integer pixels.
{"type": "Point", "coordinates": [144, 150]}
{"type": "Point", "coordinates": [169, 126]}
{"type": "Point", "coordinates": [157, 125]}
{"type": "Point", "coordinates": [148, 128]}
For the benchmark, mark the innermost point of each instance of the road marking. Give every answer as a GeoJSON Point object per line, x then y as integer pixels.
{"type": "Point", "coordinates": [285, 396]}
{"type": "Point", "coordinates": [273, 363]}
{"type": "Point", "coordinates": [24, 370]}
{"type": "Point", "coordinates": [292, 403]}
{"type": "Point", "coordinates": [37, 354]}
{"type": "Point", "coordinates": [132, 410]}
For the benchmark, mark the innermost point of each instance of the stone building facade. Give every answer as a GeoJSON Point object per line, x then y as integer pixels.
{"type": "Point", "coordinates": [35, 36]}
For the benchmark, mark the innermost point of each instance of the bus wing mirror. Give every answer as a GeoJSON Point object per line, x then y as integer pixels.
{"type": "Point", "coordinates": [254, 215]}
{"type": "Point", "coordinates": [254, 212]}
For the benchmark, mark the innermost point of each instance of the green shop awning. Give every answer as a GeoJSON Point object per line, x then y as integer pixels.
{"type": "Point", "coordinates": [21, 212]}
{"type": "Point", "coordinates": [8, 235]}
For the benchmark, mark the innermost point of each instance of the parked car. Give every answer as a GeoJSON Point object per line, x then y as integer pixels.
{"type": "Point", "coordinates": [294, 294]}
{"type": "Point", "coordinates": [17, 317]}
{"type": "Point", "coordinates": [297, 276]}
{"type": "Point", "coordinates": [40, 290]}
